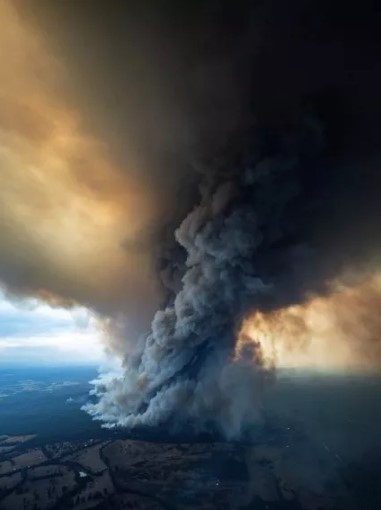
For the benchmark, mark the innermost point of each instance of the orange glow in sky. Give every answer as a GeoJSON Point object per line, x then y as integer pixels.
{"type": "Point", "coordinates": [341, 330]}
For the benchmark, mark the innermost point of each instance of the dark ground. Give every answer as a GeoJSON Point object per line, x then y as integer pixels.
{"type": "Point", "coordinates": [318, 448]}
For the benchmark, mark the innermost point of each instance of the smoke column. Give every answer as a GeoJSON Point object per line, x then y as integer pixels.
{"type": "Point", "coordinates": [252, 243]}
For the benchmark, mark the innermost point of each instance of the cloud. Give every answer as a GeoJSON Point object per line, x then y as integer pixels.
{"type": "Point", "coordinates": [32, 331]}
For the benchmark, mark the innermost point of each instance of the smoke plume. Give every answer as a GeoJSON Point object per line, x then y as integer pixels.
{"type": "Point", "coordinates": [252, 243]}
{"type": "Point", "coordinates": [220, 159]}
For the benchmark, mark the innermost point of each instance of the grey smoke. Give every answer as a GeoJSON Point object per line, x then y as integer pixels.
{"type": "Point", "coordinates": [242, 243]}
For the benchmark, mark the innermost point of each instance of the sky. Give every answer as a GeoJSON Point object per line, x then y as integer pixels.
{"type": "Point", "coordinates": [34, 333]}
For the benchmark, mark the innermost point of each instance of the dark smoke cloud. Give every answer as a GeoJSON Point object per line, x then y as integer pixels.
{"type": "Point", "coordinates": [258, 123]}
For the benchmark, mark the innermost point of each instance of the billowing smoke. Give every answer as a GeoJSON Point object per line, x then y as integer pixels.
{"type": "Point", "coordinates": [257, 122]}
{"type": "Point", "coordinates": [252, 243]}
